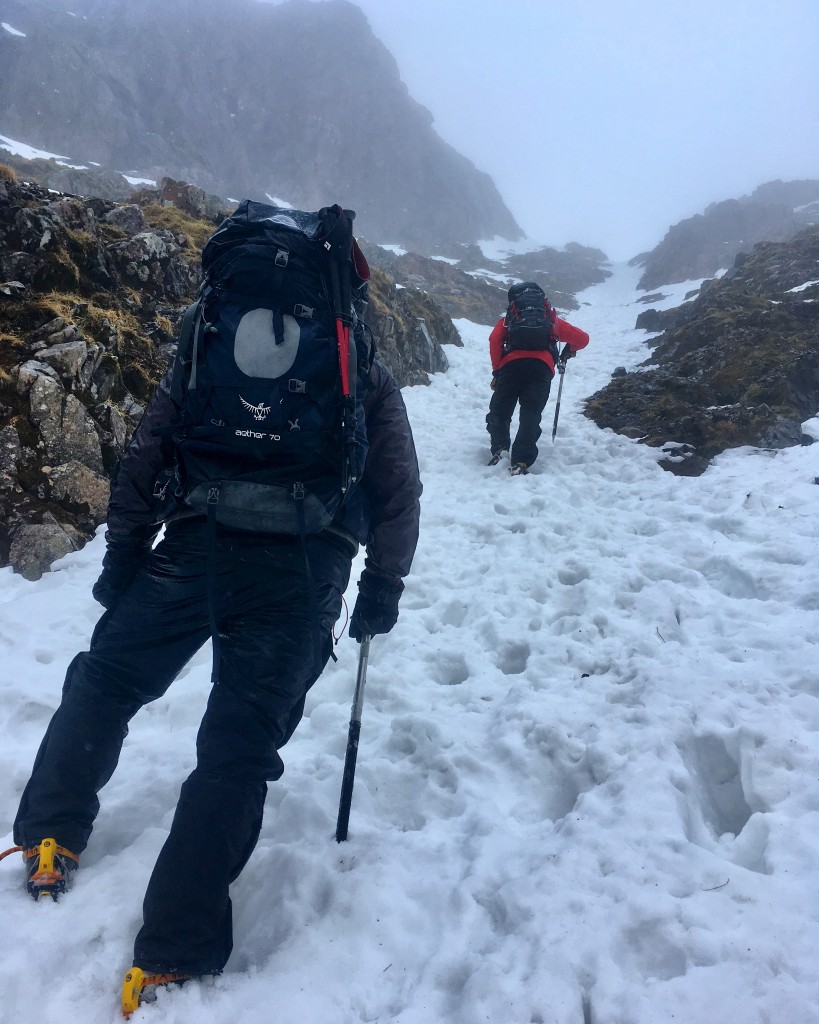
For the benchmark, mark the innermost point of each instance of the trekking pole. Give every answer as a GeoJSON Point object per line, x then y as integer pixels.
{"type": "Point", "coordinates": [561, 369]}
{"type": "Point", "coordinates": [338, 245]}
{"type": "Point", "coordinates": [352, 743]}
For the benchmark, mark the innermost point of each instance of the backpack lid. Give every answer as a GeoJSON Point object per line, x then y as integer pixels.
{"type": "Point", "coordinates": [529, 288]}
{"type": "Point", "coordinates": [248, 221]}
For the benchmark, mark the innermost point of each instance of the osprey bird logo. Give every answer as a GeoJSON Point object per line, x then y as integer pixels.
{"type": "Point", "coordinates": [259, 411]}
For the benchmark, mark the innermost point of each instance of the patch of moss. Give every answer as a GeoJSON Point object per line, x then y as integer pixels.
{"type": "Point", "coordinates": [19, 319]}
{"type": "Point", "coordinates": [59, 273]}
{"type": "Point", "coordinates": [27, 432]}
{"type": "Point", "coordinates": [171, 218]}
{"type": "Point", "coordinates": [667, 407]}
{"type": "Point", "coordinates": [138, 381]}
{"type": "Point", "coordinates": [10, 351]}
{"type": "Point", "coordinates": [727, 434]}
{"type": "Point", "coordinates": [138, 364]}
{"type": "Point", "coordinates": [111, 232]}
{"type": "Point", "coordinates": [165, 325]}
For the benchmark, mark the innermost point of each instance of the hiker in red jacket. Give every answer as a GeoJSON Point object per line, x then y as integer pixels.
{"type": "Point", "coordinates": [523, 349]}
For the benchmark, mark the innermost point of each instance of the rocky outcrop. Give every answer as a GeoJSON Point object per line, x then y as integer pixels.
{"type": "Point", "coordinates": [91, 295]}
{"type": "Point", "coordinates": [296, 100]}
{"type": "Point", "coordinates": [459, 293]}
{"type": "Point", "coordinates": [737, 365]}
{"type": "Point", "coordinates": [470, 285]}
{"type": "Point", "coordinates": [701, 245]}
{"type": "Point", "coordinates": [409, 330]}
{"type": "Point", "coordinates": [560, 272]}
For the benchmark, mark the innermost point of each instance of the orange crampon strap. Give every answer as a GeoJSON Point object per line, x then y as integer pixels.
{"type": "Point", "coordinates": [135, 983]}
{"type": "Point", "coordinates": [8, 853]}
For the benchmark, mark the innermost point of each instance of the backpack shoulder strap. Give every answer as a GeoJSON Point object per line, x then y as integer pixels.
{"type": "Point", "coordinates": [183, 376]}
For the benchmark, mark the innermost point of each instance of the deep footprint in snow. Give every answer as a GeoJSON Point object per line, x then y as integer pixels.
{"type": "Point", "coordinates": [513, 657]}
{"type": "Point", "coordinates": [719, 789]}
{"type": "Point", "coordinates": [716, 811]}
{"type": "Point", "coordinates": [648, 948]}
{"type": "Point", "coordinates": [449, 668]}
{"type": "Point", "coordinates": [573, 573]}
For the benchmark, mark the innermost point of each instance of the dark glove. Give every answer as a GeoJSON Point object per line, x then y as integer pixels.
{"type": "Point", "coordinates": [567, 353]}
{"type": "Point", "coordinates": [119, 566]}
{"type": "Point", "coordinates": [376, 607]}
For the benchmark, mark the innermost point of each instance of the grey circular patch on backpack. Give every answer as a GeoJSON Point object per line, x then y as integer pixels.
{"type": "Point", "coordinates": [255, 349]}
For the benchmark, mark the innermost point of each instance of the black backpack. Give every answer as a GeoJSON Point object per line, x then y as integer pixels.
{"type": "Point", "coordinates": [528, 320]}
{"type": "Point", "coordinates": [270, 372]}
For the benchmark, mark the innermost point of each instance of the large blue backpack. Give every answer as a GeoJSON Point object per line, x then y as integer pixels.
{"type": "Point", "coordinates": [270, 372]}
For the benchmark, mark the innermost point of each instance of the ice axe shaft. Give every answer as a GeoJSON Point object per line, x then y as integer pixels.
{"type": "Point", "coordinates": [561, 369]}
{"type": "Point", "coordinates": [352, 743]}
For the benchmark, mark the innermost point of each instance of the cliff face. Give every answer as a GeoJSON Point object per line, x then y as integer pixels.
{"type": "Point", "coordinates": [298, 101]}
{"type": "Point", "coordinates": [91, 295]}
{"type": "Point", "coordinates": [737, 365]}
{"type": "Point", "coordinates": [700, 246]}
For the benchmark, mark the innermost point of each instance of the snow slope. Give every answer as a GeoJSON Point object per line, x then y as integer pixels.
{"type": "Point", "coordinates": [587, 782]}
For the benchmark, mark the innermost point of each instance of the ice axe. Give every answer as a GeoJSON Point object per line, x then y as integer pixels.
{"type": "Point", "coordinates": [352, 743]}
{"type": "Point", "coordinates": [560, 366]}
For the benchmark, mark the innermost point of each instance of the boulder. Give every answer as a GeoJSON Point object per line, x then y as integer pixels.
{"type": "Point", "coordinates": [129, 217]}
{"type": "Point", "coordinates": [66, 431]}
{"type": "Point", "coordinates": [79, 489]}
{"type": "Point", "coordinates": [150, 261]}
{"type": "Point", "coordinates": [67, 358]}
{"type": "Point", "coordinates": [36, 546]}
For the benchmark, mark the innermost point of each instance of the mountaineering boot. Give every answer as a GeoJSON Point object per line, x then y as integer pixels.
{"type": "Point", "coordinates": [137, 981]}
{"type": "Point", "coordinates": [50, 869]}
{"type": "Point", "coordinates": [519, 469]}
{"type": "Point", "coordinates": [501, 453]}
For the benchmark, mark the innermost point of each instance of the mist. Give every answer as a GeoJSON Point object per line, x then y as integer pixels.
{"type": "Point", "coordinates": [607, 123]}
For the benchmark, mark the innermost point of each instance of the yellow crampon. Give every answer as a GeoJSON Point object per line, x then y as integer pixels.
{"type": "Point", "coordinates": [50, 878]}
{"type": "Point", "coordinates": [135, 983]}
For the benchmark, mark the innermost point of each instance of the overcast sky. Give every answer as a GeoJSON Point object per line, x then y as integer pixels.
{"type": "Point", "coordinates": [606, 121]}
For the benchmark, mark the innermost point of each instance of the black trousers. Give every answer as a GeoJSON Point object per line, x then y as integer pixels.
{"type": "Point", "coordinates": [272, 650]}
{"type": "Point", "coordinates": [524, 381]}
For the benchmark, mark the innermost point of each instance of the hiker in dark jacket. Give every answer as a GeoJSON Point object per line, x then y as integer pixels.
{"type": "Point", "coordinates": [272, 648]}
{"type": "Point", "coordinates": [523, 376]}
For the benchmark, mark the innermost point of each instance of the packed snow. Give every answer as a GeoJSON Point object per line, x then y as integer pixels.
{"type": "Point", "coordinates": [587, 782]}
{"type": "Point", "coordinates": [28, 152]}
{"type": "Point", "coordinates": [134, 180]}
{"type": "Point", "coordinates": [498, 248]}
{"type": "Point", "coordinates": [11, 30]}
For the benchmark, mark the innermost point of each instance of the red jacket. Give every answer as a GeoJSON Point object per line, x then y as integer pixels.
{"type": "Point", "coordinates": [565, 332]}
